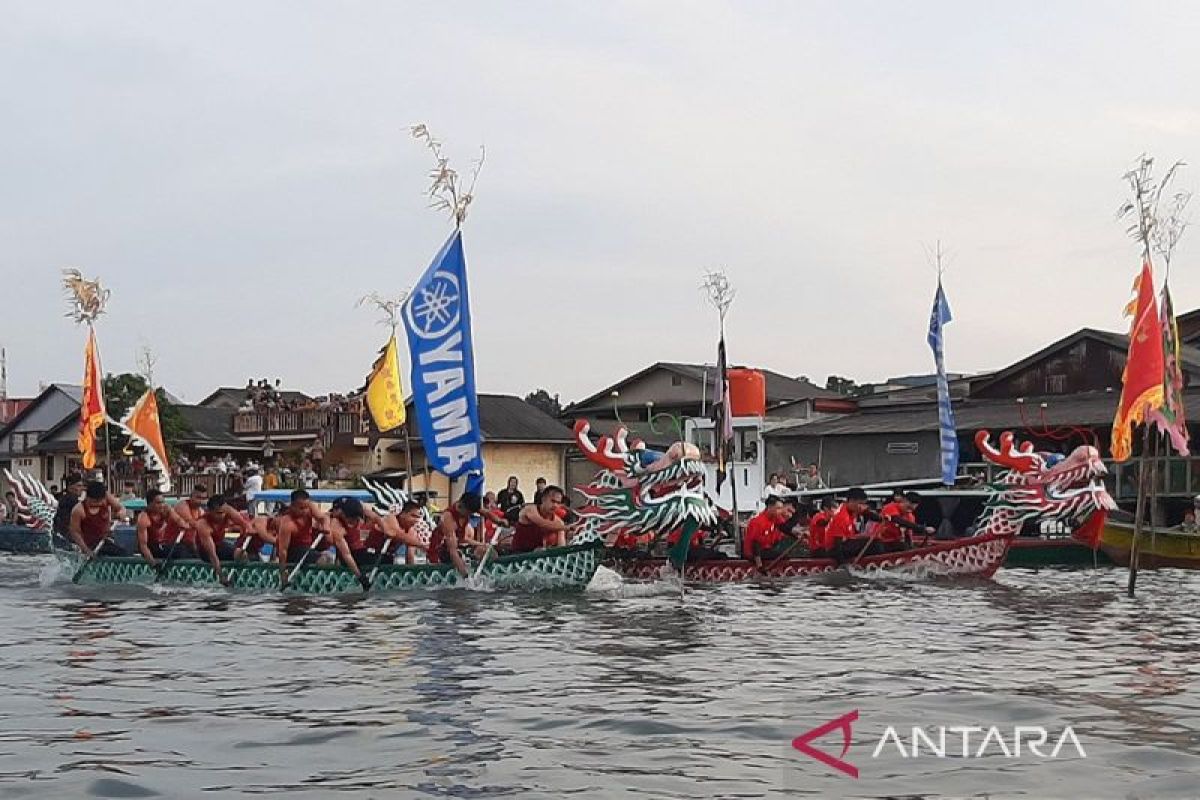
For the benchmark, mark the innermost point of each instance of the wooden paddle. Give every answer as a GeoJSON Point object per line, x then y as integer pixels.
{"type": "Point", "coordinates": [166, 562]}
{"type": "Point", "coordinates": [378, 563]}
{"type": "Point", "coordinates": [483, 561]}
{"type": "Point", "coordinates": [316, 544]}
{"type": "Point", "coordinates": [87, 560]}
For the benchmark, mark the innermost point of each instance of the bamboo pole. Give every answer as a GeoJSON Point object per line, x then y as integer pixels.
{"type": "Point", "coordinates": [1140, 508]}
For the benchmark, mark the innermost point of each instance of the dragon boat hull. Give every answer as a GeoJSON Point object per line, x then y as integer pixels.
{"type": "Point", "coordinates": [570, 567]}
{"type": "Point", "coordinates": [978, 556]}
{"type": "Point", "coordinates": [19, 539]}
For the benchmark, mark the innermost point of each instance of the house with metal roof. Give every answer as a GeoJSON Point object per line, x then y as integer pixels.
{"type": "Point", "coordinates": [1058, 398]}
{"type": "Point", "coordinates": [50, 413]}
{"type": "Point", "coordinates": [518, 439]}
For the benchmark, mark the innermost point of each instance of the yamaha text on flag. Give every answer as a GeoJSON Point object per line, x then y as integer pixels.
{"type": "Point", "coordinates": [437, 317]}
{"type": "Point", "coordinates": [948, 434]}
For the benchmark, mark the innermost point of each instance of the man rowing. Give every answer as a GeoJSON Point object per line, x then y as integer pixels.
{"type": "Point", "coordinates": [159, 530]}
{"type": "Point", "coordinates": [842, 540]}
{"type": "Point", "coordinates": [210, 527]}
{"type": "Point", "coordinates": [763, 538]}
{"type": "Point", "coordinates": [454, 532]}
{"type": "Point", "coordinates": [92, 521]}
{"type": "Point", "coordinates": [301, 527]}
{"type": "Point", "coordinates": [541, 524]}
{"type": "Point", "coordinates": [895, 516]}
{"type": "Point", "coordinates": [220, 517]}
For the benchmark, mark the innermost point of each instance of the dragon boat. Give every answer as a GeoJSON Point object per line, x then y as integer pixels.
{"type": "Point", "coordinates": [569, 567]}
{"type": "Point", "coordinates": [639, 492]}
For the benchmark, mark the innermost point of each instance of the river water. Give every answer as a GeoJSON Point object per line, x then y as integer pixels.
{"type": "Point", "coordinates": [621, 691]}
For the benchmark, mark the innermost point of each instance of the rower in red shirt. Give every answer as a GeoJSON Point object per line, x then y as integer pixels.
{"type": "Point", "coordinates": [817, 546]}
{"type": "Point", "coordinates": [763, 539]}
{"type": "Point", "coordinates": [453, 532]}
{"type": "Point", "coordinates": [541, 525]}
{"type": "Point", "coordinates": [91, 522]}
{"type": "Point", "coordinates": [841, 534]}
{"type": "Point", "coordinates": [899, 518]}
{"type": "Point", "coordinates": [158, 528]}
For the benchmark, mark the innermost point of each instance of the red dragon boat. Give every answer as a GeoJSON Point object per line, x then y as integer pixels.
{"type": "Point", "coordinates": [638, 492]}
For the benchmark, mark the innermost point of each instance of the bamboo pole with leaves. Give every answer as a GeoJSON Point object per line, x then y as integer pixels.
{"type": "Point", "coordinates": [720, 295]}
{"type": "Point", "coordinates": [1154, 231]}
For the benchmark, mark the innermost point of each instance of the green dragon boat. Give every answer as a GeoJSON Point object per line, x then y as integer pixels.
{"type": "Point", "coordinates": [570, 567]}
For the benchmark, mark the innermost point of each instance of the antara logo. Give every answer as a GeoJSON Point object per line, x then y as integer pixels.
{"type": "Point", "coordinates": [943, 741]}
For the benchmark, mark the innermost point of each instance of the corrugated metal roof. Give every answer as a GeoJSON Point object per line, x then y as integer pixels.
{"type": "Point", "coordinates": [508, 418]}
{"type": "Point", "coordinates": [1093, 408]}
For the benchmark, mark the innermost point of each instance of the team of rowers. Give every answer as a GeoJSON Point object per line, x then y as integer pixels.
{"type": "Point", "coordinates": [197, 528]}
{"type": "Point", "coordinates": [845, 533]}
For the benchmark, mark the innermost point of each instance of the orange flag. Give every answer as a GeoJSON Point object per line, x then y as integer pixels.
{"type": "Point", "coordinates": [1142, 382]}
{"type": "Point", "coordinates": [91, 411]}
{"type": "Point", "coordinates": [143, 425]}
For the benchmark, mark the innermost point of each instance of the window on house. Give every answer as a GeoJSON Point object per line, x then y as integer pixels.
{"type": "Point", "coordinates": [677, 380]}
{"type": "Point", "coordinates": [1056, 384]}
{"type": "Point", "coordinates": [703, 438]}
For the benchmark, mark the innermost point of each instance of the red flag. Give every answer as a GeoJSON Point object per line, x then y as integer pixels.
{"type": "Point", "coordinates": [1142, 382]}
{"type": "Point", "coordinates": [91, 412]}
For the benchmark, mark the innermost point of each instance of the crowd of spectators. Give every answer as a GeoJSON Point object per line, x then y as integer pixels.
{"type": "Point", "coordinates": [263, 397]}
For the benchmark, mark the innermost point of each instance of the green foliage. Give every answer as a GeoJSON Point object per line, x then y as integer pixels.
{"type": "Point", "coordinates": [122, 391]}
{"type": "Point", "coordinates": [543, 400]}
{"type": "Point", "coordinates": [836, 383]}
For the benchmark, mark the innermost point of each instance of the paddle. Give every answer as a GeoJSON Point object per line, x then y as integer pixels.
{"type": "Point", "coordinates": [316, 543]}
{"type": "Point", "coordinates": [784, 554]}
{"type": "Point", "coordinates": [378, 563]}
{"type": "Point", "coordinates": [166, 562]}
{"type": "Point", "coordinates": [483, 561]}
{"type": "Point", "coordinates": [88, 559]}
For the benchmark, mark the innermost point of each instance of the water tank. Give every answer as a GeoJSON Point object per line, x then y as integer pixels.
{"type": "Point", "coordinates": [747, 393]}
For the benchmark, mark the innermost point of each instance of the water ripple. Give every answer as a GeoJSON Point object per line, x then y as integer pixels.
{"type": "Point", "coordinates": [625, 691]}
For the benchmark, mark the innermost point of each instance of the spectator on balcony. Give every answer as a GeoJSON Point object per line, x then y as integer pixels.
{"type": "Point", "coordinates": [268, 452]}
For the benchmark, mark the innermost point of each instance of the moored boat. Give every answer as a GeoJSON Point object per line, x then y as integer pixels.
{"type": "Point", "coordinates": [570, 567]}
{"type": "Point", "coordinates": [1158, 547]}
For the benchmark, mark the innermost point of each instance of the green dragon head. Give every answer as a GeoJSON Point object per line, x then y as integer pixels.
{"type": "Point", "coordinates": [641, 491]}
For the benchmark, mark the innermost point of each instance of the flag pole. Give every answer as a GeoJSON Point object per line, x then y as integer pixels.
{"type": "Point", "coordinates": [1139, 511]}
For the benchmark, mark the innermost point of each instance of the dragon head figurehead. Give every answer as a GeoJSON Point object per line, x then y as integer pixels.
{"type": "Point", "coordinates": [1042, 486]}
{"type": "Point", "coordinates": [35, 504]}
{"type": "Point", "coordinates": [640, 491]}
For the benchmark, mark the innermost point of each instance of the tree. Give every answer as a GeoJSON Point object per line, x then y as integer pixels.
{"type": "Point", "coordinates": [122, 391]}
{"type": "Point", "coordinates": [541, 399]}
{"type": "Point", "coordinates": [836, 383]}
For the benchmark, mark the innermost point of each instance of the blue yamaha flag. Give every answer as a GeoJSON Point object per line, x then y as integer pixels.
{"type": "Point", "coordinates": [948, 433]}
{"type": "Point", "coordinates": [437, 317]}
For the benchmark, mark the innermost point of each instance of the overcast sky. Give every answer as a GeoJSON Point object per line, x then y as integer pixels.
{"type": "Point", "coordinates": [240, 173]}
